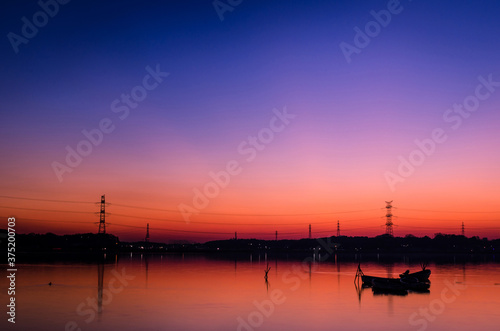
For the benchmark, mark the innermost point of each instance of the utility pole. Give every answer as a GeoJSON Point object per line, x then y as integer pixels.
{"type": "Point", "coordinates": [102, 215]}
{"type": "Point", "coordinates": [388, 215]}
{"type": "Point", "coordinates": [276, 238]}
{"type": "Point", "coordinates": [309, 231]}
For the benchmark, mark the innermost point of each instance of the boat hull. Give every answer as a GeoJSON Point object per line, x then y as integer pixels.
{"type": "Point", "coordinates": [421, 276]}
{"type": "Point", "coordinates": [395, 284]}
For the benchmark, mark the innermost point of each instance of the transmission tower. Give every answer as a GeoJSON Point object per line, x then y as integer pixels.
{"type": "Point", "coordinates": [309, 231]}
{"type": "Point", "coordinates": [338, 228]}
{"type": "Point", "coordinates": [388, 215]}
{"type": "Point", "coordinates": [463, 229]}
{"type": "Point", "coordinates": [102, 215]}
{"type": "Point", "coordinates": [147, 234]}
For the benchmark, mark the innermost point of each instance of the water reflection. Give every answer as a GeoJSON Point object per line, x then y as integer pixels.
{"type": "Point", "coordinates": [337, 263]}
{"type": "Point", "coordinates": [266, 271]}
{"type": "Point", "coordinates": [199, 292]}
{"type": "Point", "coordinates": [100, 287]}
{"type": "Point", "coordinates": [359, 290]}
{"type": "Point", "coordinates": [146, 263]}
{"type": "Point", "coordinates": [390, 302]}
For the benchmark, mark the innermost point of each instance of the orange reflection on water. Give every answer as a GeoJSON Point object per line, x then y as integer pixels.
{"type": "Point", "coordinates": [199, 293]}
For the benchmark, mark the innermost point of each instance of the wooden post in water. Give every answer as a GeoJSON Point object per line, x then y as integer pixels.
{"type": "Point", "coordinates": [267, 271]}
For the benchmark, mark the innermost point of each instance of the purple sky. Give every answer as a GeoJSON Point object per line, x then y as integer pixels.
{"type": "Point", "coordinates": [353, 120]}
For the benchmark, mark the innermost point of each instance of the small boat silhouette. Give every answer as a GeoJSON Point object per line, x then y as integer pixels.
{"type": "Point", "coordinates": [416, 282]}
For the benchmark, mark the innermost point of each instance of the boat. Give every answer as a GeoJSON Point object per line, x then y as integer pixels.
{"type": "Point", "coordinates": [388, 284]}
{"type": "Point", "coordinates": [368, 280]}
{"type": "Point", "coordinates": [416, 282]}
{"type": "Point", "coordinates": [399, 285]}
{"type": "Point", "coordinates": [422, 275]}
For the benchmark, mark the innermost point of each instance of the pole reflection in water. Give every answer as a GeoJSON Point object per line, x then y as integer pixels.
{"type": "Point", "coordinates": [146, 262]}
{"type": "Point", "coordinates": [266, 272]}
{"type": "Point", "coordinates": [390, 302]}
{"type": "Point", "coordinates": [359, 289]}
{"type": "Point", "coordinates": [100, 282]}
{"type": "Point", "coordinates": [338, 271]}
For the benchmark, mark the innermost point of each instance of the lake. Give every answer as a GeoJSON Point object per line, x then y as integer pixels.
{"type": "Point", "coordinates": [196, 292]}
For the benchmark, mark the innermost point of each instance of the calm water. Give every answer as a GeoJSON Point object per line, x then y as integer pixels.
{"type": "Point", "coordinates": [199, 293]}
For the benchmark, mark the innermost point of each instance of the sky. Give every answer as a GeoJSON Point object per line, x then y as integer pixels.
{"type": "Point", "coordinates": [205, 118]}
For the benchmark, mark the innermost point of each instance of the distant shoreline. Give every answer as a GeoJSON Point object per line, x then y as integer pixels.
{"type": "Point", "coordinates": [93, 247]}
{"type": "Point", "coordinates": [340, 257]}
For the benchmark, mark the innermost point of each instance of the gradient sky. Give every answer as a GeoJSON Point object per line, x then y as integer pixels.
{"type": "Point", "coordinates": [353, 120]}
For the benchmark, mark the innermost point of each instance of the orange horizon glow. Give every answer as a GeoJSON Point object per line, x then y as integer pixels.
{"type": "Point", "coordinates": [291, 220]}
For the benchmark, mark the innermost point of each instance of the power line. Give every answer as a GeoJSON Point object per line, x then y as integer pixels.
{"type": "Point", "coordinates": [224, 223]}
{"type": "Point", "coordinates": [46, 200]}
{"type": "Point", "coordinates": [239, 214]}
{"type": "Point", "coordinates": [363, 228]}
{"type": "Point", "coordinates": [54, 221]}
{"type": "Point", "coordinates": [243, 214]}
{"type": "Point", "coordinates": [144, 208]}
{"type": "Point", "coordinates": [440, 219]}
{"type": "Point", "coordinates": [451, 212]}
{"type": "Point", "coordinates": [185, 231]}
{"type": "Point", "coordinates": [52, 210]}
{"type": "Point", "coordinates": [170, 230]}
{"type": "Point", "coordinates": [173, 220]}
